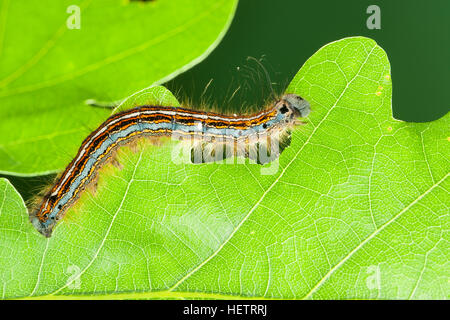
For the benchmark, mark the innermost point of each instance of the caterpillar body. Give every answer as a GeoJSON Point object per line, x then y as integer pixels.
{"type": "Point", "coordinates": [148, 120]}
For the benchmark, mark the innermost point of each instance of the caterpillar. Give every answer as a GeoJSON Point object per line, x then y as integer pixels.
{"type": "Point", "coordinates": [157, 121]}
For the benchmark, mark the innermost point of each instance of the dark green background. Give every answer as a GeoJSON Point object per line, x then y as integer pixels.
{"type": "Point", "coordinates": [284, 34]}
{"type": "Point", "coordinates": [415, 34]}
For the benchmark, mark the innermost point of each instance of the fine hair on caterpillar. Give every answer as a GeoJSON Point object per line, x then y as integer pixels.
{"type": "Point", "coordinates": [249, 86]}
{"type": "Point", "coordinates": [210, 137]}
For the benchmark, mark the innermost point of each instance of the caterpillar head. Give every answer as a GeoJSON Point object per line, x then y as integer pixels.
{"type": "Point", "coordinates": [293, 106]}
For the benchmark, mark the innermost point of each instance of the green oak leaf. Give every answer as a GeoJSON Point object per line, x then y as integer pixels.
{"type": "Point", "coordinates": [48, 71]}
{"type": "Point", "coordinates": [356, 207]}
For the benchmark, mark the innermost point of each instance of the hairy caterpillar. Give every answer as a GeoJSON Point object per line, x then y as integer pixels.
{"type": "Point", "coordinates": [157, 121]}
